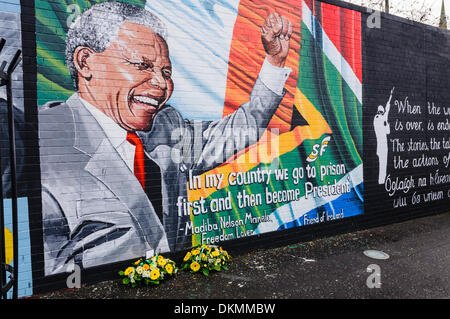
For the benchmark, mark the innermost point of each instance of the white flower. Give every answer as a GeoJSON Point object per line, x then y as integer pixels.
{"type": "Point", "coordinates": [139, 270]}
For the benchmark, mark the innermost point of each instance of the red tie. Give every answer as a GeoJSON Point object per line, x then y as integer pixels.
{"type": "Point", "coordinates": [139, 168]}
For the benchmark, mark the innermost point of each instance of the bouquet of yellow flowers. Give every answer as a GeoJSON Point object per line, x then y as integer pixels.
{"type": "Point", "coordinates": [148, 271]}
{"type": "Point", "coordinates": [206, 258]}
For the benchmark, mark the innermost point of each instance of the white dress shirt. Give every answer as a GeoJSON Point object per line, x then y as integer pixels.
{"type": "Point", "coordinates": [274, 77]}
{"type": "Point", "coordinates": [116, 135]}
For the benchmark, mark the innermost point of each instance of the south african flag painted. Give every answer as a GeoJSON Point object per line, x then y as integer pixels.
{"type": "Point", "coordinates": [325, 114]}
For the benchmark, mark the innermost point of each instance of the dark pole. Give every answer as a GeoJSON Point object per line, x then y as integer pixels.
{"type": "Point", "coordinates": [2, 240]}
{"type": "Point", "coordinates": [12, 153]}
{"type": "Point", "coordinates": [443, 19]}
{"type": "Point", "coordinates": [386, 6]}
{"type": "Point", "coordinates": [5, 79]}
{"type": "Point", "coordinates": [2, 224]}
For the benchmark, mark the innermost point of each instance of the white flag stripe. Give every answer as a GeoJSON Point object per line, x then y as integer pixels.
{"type": "Point", "coordinates": [200, 34]}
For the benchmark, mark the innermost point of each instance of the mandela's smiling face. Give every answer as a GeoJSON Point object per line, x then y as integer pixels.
{"type": "Point", "coordinates": [132, 79]}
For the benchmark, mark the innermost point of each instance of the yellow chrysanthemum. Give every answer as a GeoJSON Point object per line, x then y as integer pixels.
{"type": "Point", "coordinates": [128, 271]}
{"type": "Point", "coordinates": [154, 274]}
{"type": "Point", "coordinates": [137, 261]}
{"type": "Point", "coordinates": [195, 266]}
{"type": "Point", "coordinates": [195, 252]}
{"type": "Point", "coordinates": [188, 255]}
{"type": "Point", "coordinates": [215, 253]}
{"type": "Point", "coordinates": [169, 269]}
{"type": "Point", "coordinates": [161, 261]}
{"type": "Point", "coordinates": [145, 267]}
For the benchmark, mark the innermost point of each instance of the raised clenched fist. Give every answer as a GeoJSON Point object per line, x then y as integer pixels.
{"type": "Point", "coordinates": [276, 34]}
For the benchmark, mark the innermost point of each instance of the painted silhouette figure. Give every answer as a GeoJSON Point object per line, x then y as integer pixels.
{"type": "Point", "coordinates": [382, 130]}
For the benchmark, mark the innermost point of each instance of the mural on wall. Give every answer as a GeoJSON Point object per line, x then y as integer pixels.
{"type": "Point", "coordinates": [160, 125]}
{"type": "Point", "coordinates": [168, 124]}
{"type": "Point", "coordinates": [163, 125]}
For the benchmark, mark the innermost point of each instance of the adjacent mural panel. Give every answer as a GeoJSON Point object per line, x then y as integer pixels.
{"type": "Point", "coordinates": [406, 112]}
{"type": "Point", "coordinates": [10, 30]}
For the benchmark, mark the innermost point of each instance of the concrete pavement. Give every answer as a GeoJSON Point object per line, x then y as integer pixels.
{"type": "Point", "coordinates": [332, 267]}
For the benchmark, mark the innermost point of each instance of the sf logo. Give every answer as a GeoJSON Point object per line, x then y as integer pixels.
{"type": "Point", "coordinates": [318, 150]}
{"type": "Point", "coordinates": [374, 279]}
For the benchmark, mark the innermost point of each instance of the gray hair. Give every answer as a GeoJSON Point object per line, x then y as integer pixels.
{"type": "Point", "coordinates": [100, 24]}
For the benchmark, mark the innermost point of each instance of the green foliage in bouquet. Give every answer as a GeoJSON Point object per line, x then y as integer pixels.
{"type": "Point", "coordinates": [206, 258]}
{"type": "Point", "coordinates": [148, 271]}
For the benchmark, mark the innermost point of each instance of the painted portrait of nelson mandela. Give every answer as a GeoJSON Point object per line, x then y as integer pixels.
{"type": "Point", "coordinates": [110, 182]}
